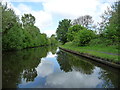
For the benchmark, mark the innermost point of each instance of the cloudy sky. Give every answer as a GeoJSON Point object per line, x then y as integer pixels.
{"type": "Point", "coordinates": [49, 12]}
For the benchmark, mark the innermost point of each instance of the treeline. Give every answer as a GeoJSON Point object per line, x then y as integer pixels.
{"type": "Point", "coordinates": [21, 33]}
{"type": "Point", "coordinates": [82, 31]}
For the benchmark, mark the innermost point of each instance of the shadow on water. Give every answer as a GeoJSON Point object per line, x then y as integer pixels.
{"type": "Point", "coordinates": [24, 68]}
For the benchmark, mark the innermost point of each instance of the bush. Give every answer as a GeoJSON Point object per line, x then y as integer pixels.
{"type": "Point", "coordinates": [101, 42]}
{"type": "Point", "coordinates": [83, 37]}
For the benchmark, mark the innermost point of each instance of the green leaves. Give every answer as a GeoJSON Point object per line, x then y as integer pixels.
{"type": "Point", "coordinates": [83, 37]}
{"type": "Point", "coordinates": [62, 30]}
{"type": "Point", "coordinates": [17, 36]}
{"type": "Point", "coordinates": [13, 39]}
{"type": "Point", "coordinates": [72, 31]}
{"type": "Point", "coordinates": [28, 19]}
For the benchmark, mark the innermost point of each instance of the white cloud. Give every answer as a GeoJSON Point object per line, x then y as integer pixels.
{"type": "Point", "coordinates": [50, 55]}
{"type": "Point", "coordinates": [74, 8]}
{"type": "Point", "coordinates": [72, 79]}
{"type": "Point", "coordinates": [49, 32]}
{"type": "Point", "coordinates": [70, 8]}
{"type": "Point", "coordinates": [45, 68]}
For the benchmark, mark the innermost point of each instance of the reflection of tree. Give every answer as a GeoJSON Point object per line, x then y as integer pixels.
{"type": "Point", "coordinates": [110, 79]}
{"type": "Point", "coordinates": [63, 61]}
{"type": "Point", "coordinates": [21, 62]}
{"type": "Point", "coordinates": [29, 74]}
{"type": "Point", "coordinates": [53, 49]}
{"type": "Point", "coordinates": [69, 61]}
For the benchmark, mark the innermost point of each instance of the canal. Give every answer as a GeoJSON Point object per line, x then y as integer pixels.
{"type": "Point", "coordinates": [50, 67]}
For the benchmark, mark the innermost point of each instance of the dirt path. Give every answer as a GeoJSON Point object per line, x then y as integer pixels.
{"type": "Point", "coordinates": [105, 52]}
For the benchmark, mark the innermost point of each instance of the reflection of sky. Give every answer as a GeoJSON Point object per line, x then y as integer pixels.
{"type": "Point", "coordinates": [50, 75]}
{"type": "Point", "coordinates": [72, 79]}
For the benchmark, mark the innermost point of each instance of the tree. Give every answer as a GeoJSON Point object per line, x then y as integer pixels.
{"type": "Point", "coordinates": [53, 40]}
{"type": "Point", "coordinates": [28, 19]}
{"type": "Point", "coordinates": [109, 26]}
{"type": "Point", "coordinates": [62, 30]}
{"type": "Point", "coordinates": [85, 21]}
{"type": "Point", "coordinates": [9, 18]}
{"type": "Point", "coordinates": [105, 21]}
{"type": "Point", "coordinates": [72, 31]}
{"type": "Point", "coordinates": [112, 30]}
{"type": "Point", "coordinates": [15, 36]}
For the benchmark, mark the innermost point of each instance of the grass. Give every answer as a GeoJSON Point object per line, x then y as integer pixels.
{"type": "Point", "coordinates": [97, 50]}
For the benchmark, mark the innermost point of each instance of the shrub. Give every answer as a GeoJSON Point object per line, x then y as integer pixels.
{"type": "Point", "coordinates": [83, 37]}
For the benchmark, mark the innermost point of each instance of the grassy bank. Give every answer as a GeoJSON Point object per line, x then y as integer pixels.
{"type": "Point", "coordinates": [106, 52]}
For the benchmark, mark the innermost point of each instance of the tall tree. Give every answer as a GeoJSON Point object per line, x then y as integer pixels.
{"type": "Point", "coordinates": [62, 30]}
{"type": "Point", "coordinates": [28, 19]}
{"type": "Point", "coordinates": [113, 29]}
{"type": "Point", "coordinates": [9, 18]}
{"type": "Point", "coordinates": [85, 21]}
{"type": "Point", "coordinates": [105, 17]}
{"type": "Point", "coordinates": [109, 26]}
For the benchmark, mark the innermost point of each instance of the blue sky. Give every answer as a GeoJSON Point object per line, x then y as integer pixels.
{"type": "Point", "coordinates": [49, 12]}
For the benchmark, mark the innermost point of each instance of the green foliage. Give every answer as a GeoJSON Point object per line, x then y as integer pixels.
{"type": "Point", "coordinates": [112, 31]}
{"type": "Point", "coordinates": [83, 37]}
{"type": "Point", "coordinates": [62, 30]}
{"type": "Point", "coordinates": [28, 19]}
{"type": "Point", "coordinates": [8, 18]}
{"type": "Point", "coordinates": [72, 31]}
{"type": "Point", "coordinates": [18, 35]}
{"type": "Point", "coordinates": [101, 42]}
{"type": "Point", "coordinates": [110, 26]}
{"type": "Point", "coordinates": [53, 40]}
{"type": "Point", "coordinates": [13, 39]}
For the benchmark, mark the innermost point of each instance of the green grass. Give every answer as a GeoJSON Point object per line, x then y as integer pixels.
{"type": "Point", "coordinates": [95, 51]}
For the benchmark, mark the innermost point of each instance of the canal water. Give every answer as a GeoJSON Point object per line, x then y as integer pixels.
{"type": "Point", "coordinates": [50, 67]}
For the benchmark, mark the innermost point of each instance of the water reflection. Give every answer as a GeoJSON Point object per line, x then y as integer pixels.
{"type": "Point", "coordinates": [70, 62]}
{"type": "Point", "coordinates": [73, 79]}
{"type": "Point", "coordinates": [21, 64]}
{"type": "Point", "coordinates": [44, 68]}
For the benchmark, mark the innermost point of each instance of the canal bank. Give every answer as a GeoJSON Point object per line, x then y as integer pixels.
{"type": "Point", "coordinates": [98, 59]}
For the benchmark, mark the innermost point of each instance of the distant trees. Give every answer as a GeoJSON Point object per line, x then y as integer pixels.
{"type": "Point", "coordinates": [62, 30]}
{"type": "Point", "coordinates": [85, 21]}
{"type": "Point", "coordinates": [53, 40]}
{"type": "Point", "coordinates": [77, 33]}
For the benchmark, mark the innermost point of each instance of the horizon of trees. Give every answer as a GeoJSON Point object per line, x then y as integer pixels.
{"type": "Point", "coordinates": [80, 31]}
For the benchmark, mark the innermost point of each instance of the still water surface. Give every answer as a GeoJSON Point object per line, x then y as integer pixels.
{"type": "Point", "coordinates": [49, 67]}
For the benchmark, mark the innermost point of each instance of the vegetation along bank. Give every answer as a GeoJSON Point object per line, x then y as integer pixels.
{"type": "Point", "coordinates": [19, 33]}
{"type": "Point", "coordinates": [101, 41]}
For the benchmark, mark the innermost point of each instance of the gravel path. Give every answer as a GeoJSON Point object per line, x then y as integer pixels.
{"type": "Point", "coordinates": [105, 52]}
